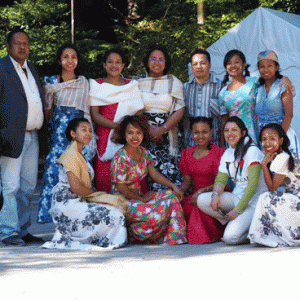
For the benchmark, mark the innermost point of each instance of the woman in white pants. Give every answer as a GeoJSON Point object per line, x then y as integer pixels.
{"type": "Point", "coordinates": [240, 162]}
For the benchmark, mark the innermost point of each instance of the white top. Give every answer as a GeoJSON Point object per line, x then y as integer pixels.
{"type": "Point", "coordinates": [35, 115]}
{"type": "Point", "coordinates": [240, 175]}
{"type": "Point", "coordinates": [158, 93]}
{"type": "Point", "coordinates": [280, 165]}
{"type": "Point", "coordinates": [71, 93]}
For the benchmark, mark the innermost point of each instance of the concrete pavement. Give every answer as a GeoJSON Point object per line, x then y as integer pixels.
{"type": "Point", "coordinates": [215, 271]}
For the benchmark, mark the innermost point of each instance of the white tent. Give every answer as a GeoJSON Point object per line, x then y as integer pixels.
{"type": "Point", "coordinates": [265, 29]}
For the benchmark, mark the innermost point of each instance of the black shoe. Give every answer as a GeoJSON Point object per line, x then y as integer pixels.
{"type": "Point", "coordinates": [31, 239]}
{"type": "Point", "coordinates": [13, 241]}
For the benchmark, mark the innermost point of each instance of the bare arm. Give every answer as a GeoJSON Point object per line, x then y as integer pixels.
{"type": "Point", "coordinates": [101, 120]}
{"type": "Point", "coordinates": [126, 192]}
{"type": "Point", "coordinates": [77, 186]}
{"type": "Point", "coordinates": [186, 183]}
{"type": "Point", "coordinates": [287, 102]}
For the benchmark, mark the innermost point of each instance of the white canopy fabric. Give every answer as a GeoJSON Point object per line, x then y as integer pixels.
{"type": "Point", "coordinates": [264, 29]}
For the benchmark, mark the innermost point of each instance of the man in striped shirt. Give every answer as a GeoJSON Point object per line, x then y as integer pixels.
{"type": "Point", "coordinates": [201, 94]}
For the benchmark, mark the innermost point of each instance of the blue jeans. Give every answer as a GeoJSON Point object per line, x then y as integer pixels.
{"type": "Point", "coordinates": [19, 179]}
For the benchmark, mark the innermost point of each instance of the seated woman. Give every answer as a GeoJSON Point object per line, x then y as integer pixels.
{"type": "Point", "coordinates": [81, 224]}
{"type": "Point", "coordinates": [199, 165]}
{"type": "Point", "coordinates": [152, 217]}
{"type": "Point", "coordinates": [274, 103]}
{"type": "Point", "coordinates": [241, 162]}
{"type": "Point", "coordinates": [276, 221]}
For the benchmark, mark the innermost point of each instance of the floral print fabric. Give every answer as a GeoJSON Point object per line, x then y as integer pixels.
{"type": "Point", "coordinates": [159, 221]}
{"type": "Point", "coordinates": [164, 163]}
{"type": "Point", "coordinates": [276, 221]}
{"type": "Point", "coordinates": [82, 225]}
{"type": "Point", "coordinates": [241, 103]}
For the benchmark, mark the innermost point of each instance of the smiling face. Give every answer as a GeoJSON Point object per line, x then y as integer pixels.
{"type": "Point", "coordinates": [271, 141]}
{"type": "Point", "coordinates": [83, 134]}
{"type": "Point", "coordinates": [201, 134]}
{"type": "Point", "coordinates": [267, 69]}
{"type": "Point", "coordinates": [114, 65]}
{"type": "Point", "coordinates": [235, 66]}
{"type": "Point", "coordinates": [18, 48]}
{"type": "Point", "coordinates": [156, 63]}
{"type": "Point", "coordinates": [233, 134]}
{"type": "Point", "coordinates": [200, 66]}
{"type": "Point", "coordinates": [68, 60]}
{"type": "Point", "coordinates": [134, 136]}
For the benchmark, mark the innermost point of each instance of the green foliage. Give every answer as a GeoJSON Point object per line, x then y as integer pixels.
{"type": "Point", "coordinates": [172, 23]}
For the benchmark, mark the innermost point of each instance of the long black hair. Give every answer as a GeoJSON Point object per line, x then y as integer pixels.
{"type": "Point", "coordinates": [73, 125]}
{"type": "Point", "coordinates": [241, 148]}
{"type": "Point", "coordinates": [228, 57]}
{"type": "Point", "coordinates": [286, 142]}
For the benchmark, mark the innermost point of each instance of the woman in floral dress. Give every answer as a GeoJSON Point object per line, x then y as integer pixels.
{"type": "Point", "coordinates": [80, 224]}
{"type": "Point", "coordinates": [163, 97]}
{"type": "Point", "coordinates": [152, 217]}
{"type": "Point", "coordinates": [66, 97]}
{"type": "Point", "coordinates": [276, 221]}
{"type": "Point", "coordinates": [238, 97]}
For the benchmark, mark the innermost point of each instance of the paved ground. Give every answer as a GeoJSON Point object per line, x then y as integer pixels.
{"type": "Point", "coordinates": [214, 271]}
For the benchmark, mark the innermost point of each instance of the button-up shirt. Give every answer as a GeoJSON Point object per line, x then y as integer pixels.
{"type": "Point", "coordinates": [202, 100]}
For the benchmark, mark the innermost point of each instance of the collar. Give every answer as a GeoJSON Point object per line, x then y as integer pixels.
{"type": "Point", "coordinates": [17, 65]}
{"type": "Point", "coordinates": [211, 79]}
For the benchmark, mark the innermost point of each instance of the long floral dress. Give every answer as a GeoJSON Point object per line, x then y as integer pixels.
{"type": "Point", "coordinates": [83, 225]}
{"type": "Point", "coordinates": [159, 221]}
{"type": "Point", "coordinates": [201, 228]}
{"type": "Point", "coordinates": [241, 103]}
{"type": "Point", "coordinates": [276, 221]}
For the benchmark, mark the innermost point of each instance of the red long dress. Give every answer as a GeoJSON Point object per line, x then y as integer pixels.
{"type": "Point", "coordinates": [201, 228]}
{"type": "Point", "coordinates": [102, 168]}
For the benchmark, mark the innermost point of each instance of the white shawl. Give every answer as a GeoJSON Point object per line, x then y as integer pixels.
{"type": "Point", "coordinates": [130, 102]}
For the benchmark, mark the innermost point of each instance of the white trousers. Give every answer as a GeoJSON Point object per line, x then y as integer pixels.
{"type": "Point", "coordinates": [236, 230]}
{"type": "Point", "coordinates": [18, 179]}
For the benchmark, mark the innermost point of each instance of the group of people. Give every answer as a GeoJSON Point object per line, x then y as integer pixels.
{"type": "Point", "coordinates": [231, 174]}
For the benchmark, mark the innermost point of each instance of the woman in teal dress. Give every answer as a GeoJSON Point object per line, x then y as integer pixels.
{"type": "Point", "coordinates": [274, 103]}
{"type": "Point", "coordinates": [238, 97]}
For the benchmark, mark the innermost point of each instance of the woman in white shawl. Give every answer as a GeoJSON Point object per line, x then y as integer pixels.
{"type": "Point", "coordinates": [112, 98]}
{"type": "Point", "coordinates": [163, 98]}
{"type": "Point", "coordinates": [66, 97]}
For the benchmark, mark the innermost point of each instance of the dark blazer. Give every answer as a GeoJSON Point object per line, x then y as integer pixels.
{"type": "Point", "coordinates": [13, 108]}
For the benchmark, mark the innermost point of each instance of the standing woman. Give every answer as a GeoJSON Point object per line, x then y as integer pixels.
{"type": "Point", "coordinates": [163, 98]}
{"type": "Point", "coordinates": [274, 104]}
{"type": "Point", "coordinates": [66, 97]}
{"type": "Point", "coordinates": [276, 221]}
{"type": "Point", "coordinates": [199, 166]}
{"type": "Point", "coordinates": [112, 98]}
{"type": "Point", "coordinates": [238, 97]}
{"type": "Point", "coordinates": [240, 162]}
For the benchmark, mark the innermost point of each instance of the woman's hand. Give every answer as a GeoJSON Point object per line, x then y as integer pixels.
{"type": "Point", "coordinates": [148, 196]}
{"type": "Point", "coordinates": [268, 158]}
{"type": "Point", "coordinates": [196, 195]}
{"type": "Point", "coordinates": [232, 215]}
{"type": "Point", "coordinates": [215, 202]}
{"type": "Point", "coordinates": [178, 192]}
{"type": "Point", "coordinates": [156, 133]}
